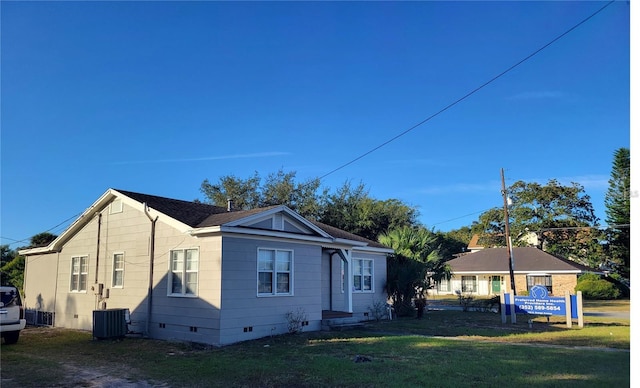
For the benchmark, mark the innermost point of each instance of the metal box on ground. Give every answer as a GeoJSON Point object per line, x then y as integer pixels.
{"type": "Point", "coordinates": [109, 323]}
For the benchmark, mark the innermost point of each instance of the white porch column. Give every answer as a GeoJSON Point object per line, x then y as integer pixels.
{"type": "Point", "coordinates": [348, 279]}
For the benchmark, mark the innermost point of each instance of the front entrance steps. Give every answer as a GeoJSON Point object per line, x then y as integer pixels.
{"type": "Point", "coordinates": [339, 320]}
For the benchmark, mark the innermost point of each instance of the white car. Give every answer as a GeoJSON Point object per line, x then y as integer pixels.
{"type": "Point", "coordinates": [11, 314]}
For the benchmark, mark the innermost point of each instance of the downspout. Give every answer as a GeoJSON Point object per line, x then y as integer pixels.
{"type": "Point", "coordinates": [98, 247]}
{"type": "Point", "coordinates": [152, 244]}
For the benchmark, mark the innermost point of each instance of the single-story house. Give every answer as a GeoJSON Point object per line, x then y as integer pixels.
{"type": "Point", "coordinates": [486, 272]}
{"type": "Point", "coordinates": [201, 273]}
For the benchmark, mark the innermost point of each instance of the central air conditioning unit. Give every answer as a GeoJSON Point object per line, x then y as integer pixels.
{"type": "Point", "coordinates": [110, 323]}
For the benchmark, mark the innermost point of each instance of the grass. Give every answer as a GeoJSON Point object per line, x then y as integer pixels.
{"type": "Point", "coordinates": [445, 348]}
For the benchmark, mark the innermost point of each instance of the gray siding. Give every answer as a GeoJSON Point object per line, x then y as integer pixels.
{"type": "Point", "coordinates": [266, 315]}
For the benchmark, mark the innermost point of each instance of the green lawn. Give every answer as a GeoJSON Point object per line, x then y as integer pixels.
{"type": "Point", "coordinates": [445, 348]}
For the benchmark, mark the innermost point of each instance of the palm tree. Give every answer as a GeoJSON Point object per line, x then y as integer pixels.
{"type": "Point", "coordinates": [416, 263]}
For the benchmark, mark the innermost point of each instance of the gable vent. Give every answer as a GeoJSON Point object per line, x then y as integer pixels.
{"type": "Point", "coordinates": [278, 222]}
{"type": "Point", "coordinates": [116, 206]}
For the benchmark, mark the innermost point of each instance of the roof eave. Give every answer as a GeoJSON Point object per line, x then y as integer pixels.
{"type": "Point", "coordinates": [56, 245]}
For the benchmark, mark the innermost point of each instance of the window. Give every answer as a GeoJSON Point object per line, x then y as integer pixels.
{"type": "Point", "coordinates": [275, 275]}
{"type": "Point", "coordinates": [469, 284]}
{"type": "Point", "coordinates": [118, 270]}
{"type": "Point", "coordinates": [362, 275]}
{"type": "Point", "coordinates": [184, 272]}
{"type": "Point", "coordinates": [444, 285]}
{"type": "Point", "coordinates": [540, 280]}
{"type": "Point", "coordinates": [79, 271]}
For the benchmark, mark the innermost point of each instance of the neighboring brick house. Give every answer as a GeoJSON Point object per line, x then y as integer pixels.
{"type": "Point", "coordinates": [486, 272]}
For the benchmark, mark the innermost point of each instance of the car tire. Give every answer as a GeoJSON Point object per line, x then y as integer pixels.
{"type": "Point", "coordinates": [11, 337]}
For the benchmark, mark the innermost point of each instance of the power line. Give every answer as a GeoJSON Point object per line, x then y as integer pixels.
{"type": "Point", "coordinates": [468, 94]}
{"type": "Point", "coordinates": [48, 230]}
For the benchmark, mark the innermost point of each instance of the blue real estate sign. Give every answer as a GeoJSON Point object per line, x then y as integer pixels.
{"type": "Point", "coordinates": [539, 303]}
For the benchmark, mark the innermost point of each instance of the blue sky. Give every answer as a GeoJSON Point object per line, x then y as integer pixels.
{"type": "Point", "coordinates": [156, 97]}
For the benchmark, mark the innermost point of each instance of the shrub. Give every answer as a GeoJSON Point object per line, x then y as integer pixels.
{"type": "Point", "coordinates": [598, 289]}
{"type": "Point", "coordinates": [465, 299]}
{"type": "Point", "coordinates": [588, 276]}
{"type": "Point", "coordinates": [296, 320]}
{"type": "Point", "coordinates": [379, 309]}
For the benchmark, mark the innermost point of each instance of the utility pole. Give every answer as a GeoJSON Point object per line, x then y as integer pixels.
{"type": "Point", "coordinates": [507, 235]}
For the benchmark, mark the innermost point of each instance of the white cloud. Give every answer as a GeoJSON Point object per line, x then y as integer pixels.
{"type": "Point", "coordinates": [206, 158]}
{"type": "Point", "coordinates": [537, 95]}
{"type": "Point", "coordinates": [461, 188]}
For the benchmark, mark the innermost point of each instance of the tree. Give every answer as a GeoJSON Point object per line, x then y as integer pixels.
{"type": "Point", "coordinates": [618, 211]}
{"type": "Point", "coordinates": [280, 189]}
{"type": "Point", "coordinates": [6, 256]}
{"type": "Point", "coordinates": [243, 193]}
{"type": "Point", "coordinates": [415, 263]}
{"type": "Point", "coordinates": [352, 209]}
{"type": "Point", "coordinates": [277, 189]}
{"type": "Point", "coordinates": [41, 239]}
{"type": "Point", "coordinates": [349, 208]}
{"type": "Point", "coordinates": [561, 217]}
{"type": "Point", "coordinates": [454, 241]}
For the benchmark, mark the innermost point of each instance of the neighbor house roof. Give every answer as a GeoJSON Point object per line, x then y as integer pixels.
{"type": "Point", "coordinates": [525, 259]}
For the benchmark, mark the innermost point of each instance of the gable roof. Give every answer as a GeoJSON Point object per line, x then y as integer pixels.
{"type": "Point", "coordinates": [525, 260]}
{"type": "Point", "coordinates": [200, 218]}
{"type": "Point", "coordinates": [188, 212]}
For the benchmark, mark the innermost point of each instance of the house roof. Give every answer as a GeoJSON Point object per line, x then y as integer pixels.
{"type": "Point", "coordinates": [343, 234]}
{"type": "Point", "coordinates": [525, 259]}
{"type": "Point", "coordinates": [189, 213]}
{"type": "Point", "coordinates": [200, 216]}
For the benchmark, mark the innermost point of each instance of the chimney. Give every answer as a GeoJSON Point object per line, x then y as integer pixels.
{"type": "Point", "coordinates": [229, 204]}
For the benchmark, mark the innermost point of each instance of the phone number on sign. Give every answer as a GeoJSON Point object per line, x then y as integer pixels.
{"type": "Point", "coordinates": [529, 307]}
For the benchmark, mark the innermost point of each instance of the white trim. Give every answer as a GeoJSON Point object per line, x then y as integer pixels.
{"type": "Point", "coordinates": [274, 280]}
{"type": "Point", "coordinates": [86, 274]}
{"type": "Point", "coordinates": [113, 269]}
{"type": "Point", "coordinates": [363, 291]}
{"type": "Point", "coordinates": [170, 292]}
{"type": "Point", "coordinates": [263, 215]}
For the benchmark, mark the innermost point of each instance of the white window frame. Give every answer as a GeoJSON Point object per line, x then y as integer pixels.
{"type": "Point", "coordinates": [117, 270]}
{"type": "Point", "coordinates": [360, 275]}
{"type": "Point", "coordinates": [81, 271]}
{"type": "Point", "coordinates": [444, 285]}
{"type": "Point", "coordinates": [465, 279]}
{"type": "Point", "coordinates": [184, 271]}
{"type": "Point", "coordinates": [274, 271]}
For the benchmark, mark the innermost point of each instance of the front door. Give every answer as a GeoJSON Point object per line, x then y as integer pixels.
{"type": "Point", "coordinates": [495, 284]}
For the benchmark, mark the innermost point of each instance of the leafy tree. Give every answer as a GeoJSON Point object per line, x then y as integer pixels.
{"type": "Point", "coordinates": [6, 256]}
{"type": "Point", "coordinates": [352, 209]}
{"type": "Point", "coordinates": [13, 272]}
{"type": "Point", "coordinates": [562, 218]}
{"type": "Point", "coordinates": [41, 239]}
{"type": "Point", "coordinates": [415, 263]}
{"type": "Point", "coordinates": [280, 189]}
{"type": "Point", "coordinates": [243, 193]}
{"type": "Point", "coordinates": [349, 208]}
{"type": "Point", "coordinates": [277, 189]}
{"type": "Point", "coordinates": [454, 241]}
{"type": "Point", "coordinates": [618, 211]}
